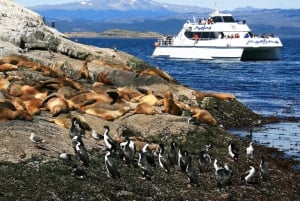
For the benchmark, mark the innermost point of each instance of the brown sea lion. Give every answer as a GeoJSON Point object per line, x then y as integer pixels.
{"type": "Point", "coordinates": [156, 72]}
{"type": "Point", "coordinates": [143, 108]}
{"type": "Point", "coordinates": [85, 96]}
{"type": "Point", "coordinates": [102, 78]}
{"type": "Point", "coordinates": [170, 106]}
{"type": "Point", "coordinates": [220, 96]}
{"type": "Point", "coordinates": [8, 114]}
{"type": "Point", "coordinates": [84, 72]}
{"type": "Point", "coordinates": [150, 99]}
{"type": "Point", "coordinates": [106, 114]}
{"type": "Point", "coordinates": [128, 93]}
{"type": "Point", "coordinates": [203, 116]}
{"type": "Point", "coordinates": [58, 105]}
{"type": "Point", "coordinates": [7, 67]}
{"type": "Point", "coordinates": [111, 64]}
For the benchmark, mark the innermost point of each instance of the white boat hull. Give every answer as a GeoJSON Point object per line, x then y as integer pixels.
{"type": "Point", "coordinates": [197, 52]}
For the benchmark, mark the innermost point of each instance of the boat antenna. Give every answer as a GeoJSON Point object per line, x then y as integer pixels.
{"type": "Point", "coordinates": [215, 5]}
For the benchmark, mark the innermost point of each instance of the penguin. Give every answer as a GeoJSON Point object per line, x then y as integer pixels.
{"type": "Point", "coordinates": [76, 129]}
{"type": "Point", "coordinates": [223, 177]}
{"type": "Point", "coordinates": [250, 151]}
{"type": "Point", "coordinates": [78, 173]}
{"type": "Point", "coordinates": [191, 173]}
{"type": "Point", "coordinates": [145, 166]}
{"type": "Point", "coordinates": [82, 154]}
{"type": "Point", "coordinates": [172, 154]}
{"type": "Point", "coordinates": [182, 159]}
{"type": "Point", "coordinates": [109, 142]}
{"type": "Point", "coordinates": [110, 166]}
{"type": "Point", "coordinates": [149, 155]}
{"type": "Point", "coordinates": [163, 159]}
{"type": "Point", "coordinates": [131, 145]}
{"type": "Point", "coordinates": [216, 165]}
{"type": "Point", "coordinates": [204, 161]}
{"type": "Point", "coordinates": [264, 169]}
{"type": "Point", "coordinates": [249, 175]}
{"type": "Point", "coordinates": [129, 151]}
{"type": "Point", "coordinates": [233, 151]}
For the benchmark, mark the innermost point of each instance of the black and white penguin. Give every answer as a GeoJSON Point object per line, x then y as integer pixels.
{"type": "Point", "coordinates": [233, 151]}
{"type": "Point", "coordinates": [131, 144]}
{"type": "Point", "coordinates": [129, 152]}
{"type": "Point", "coordinates": [191, 173]}
{"type": "Point", "coordinates": [110, 166]}
{"type": "Point", "coordinates": [76, 129]}
{"type": "Point", "coordinates": [204, 161]}
{"type": "Point", "coordinates": [173, 154]}
{"type": "Point", "coordinates": [145, 166]}
{"type": "Point", "coordinates": [264, 170]}
{"type": "Point", "coordinates": [222, 176]}
{"type": "Point", "coordinates": [217, 165]}
{"type": "Point", "coordinates": [75, 140]}
{"type": "Point", "coordinates": [82, 154]}
{"type": "Point", "coordinates": [109, 142]}
{"type": "Point", "coordinates": [248, 176]}
{"type": "Point", "coordinates": [182, 159]}
{"type": "Point", "coordinates": [163, 159]}
{"type": "Point", "coordinates": [250, 151]}
{"type": "Point", "coordinates": [148, 154]}
{"type": "Point", "coordinates": [78, 173]}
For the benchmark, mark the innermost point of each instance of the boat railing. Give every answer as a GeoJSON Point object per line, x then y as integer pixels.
{"type": "Point", "coordinates": [165, 41]}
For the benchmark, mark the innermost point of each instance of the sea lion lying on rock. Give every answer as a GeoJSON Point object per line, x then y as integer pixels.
{"type": "Point", "coordinates": [203, 116]}
{"type": "Point", "coordinates": [220, 96]}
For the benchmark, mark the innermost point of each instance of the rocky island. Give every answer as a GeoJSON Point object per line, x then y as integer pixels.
{"type": "Point", "coordinates": [58, 89]}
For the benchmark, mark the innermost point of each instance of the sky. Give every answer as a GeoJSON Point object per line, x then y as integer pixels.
{"type": "Point", "coordinates": [227, 4]}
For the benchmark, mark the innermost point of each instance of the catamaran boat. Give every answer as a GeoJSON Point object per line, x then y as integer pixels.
{"type": "Point", "coordinates": [218, 37]}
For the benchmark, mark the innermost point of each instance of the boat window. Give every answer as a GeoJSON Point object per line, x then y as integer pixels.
{"type": "Point", "coordinates": [223, 19]}
{"type": "Point", "coordinates": [228, 19]}
{"type": "Point", "coordinates": [201, 35]}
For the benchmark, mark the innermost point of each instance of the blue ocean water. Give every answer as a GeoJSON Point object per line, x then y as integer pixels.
{"type": "Point", "coordinates": [266, 87]}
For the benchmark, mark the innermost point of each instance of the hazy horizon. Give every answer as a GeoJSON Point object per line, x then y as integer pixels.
{"type": "Point", "coordinates": [230, 5]}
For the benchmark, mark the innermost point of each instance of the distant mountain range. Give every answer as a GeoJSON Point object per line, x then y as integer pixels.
{"type": "Point", "coordinates": [147, 15]}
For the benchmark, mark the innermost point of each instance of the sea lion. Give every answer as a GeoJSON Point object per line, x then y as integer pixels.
{"type": "Point", "coordinates": [85, 96]}
{"type": "Point", "coordinates": [111, 64]}
{"type": "Point", "coordinates": [150, 99]}
{"type": "Point", "coordinates": [143, 108]}
{"type": "Point", "coordinates": [83, 72]}
{"type": "Point", "coordinates": [156, 72]}
{"type": "Point", "coordinates": [108, 115]}
{"type": "Point", "coordinates": [170, 106]}
{"type": "Point", "coordinates": [203, 116]}
{"type": "Point", "coordinates": [220, 96]}
{"type": "Point", "coordinates": [4, 83]}
{"type": "Point", "coordinates": [102, 78]}
{"type": "Point", "coordinates": [8, 114]}
{"type": "Point", "coordinates": [128, 93]}
{"type": "Point", "coordinates": [7, 67]}
{"type": "Point", "coordinates": [57, 104]}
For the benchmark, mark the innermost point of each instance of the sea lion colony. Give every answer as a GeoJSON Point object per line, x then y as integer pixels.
{"type": "Point", "coordinates": [59, 93]}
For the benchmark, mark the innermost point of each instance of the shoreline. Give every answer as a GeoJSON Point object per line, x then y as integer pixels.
{"type": "Point", "coordinates": [116, 33]}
